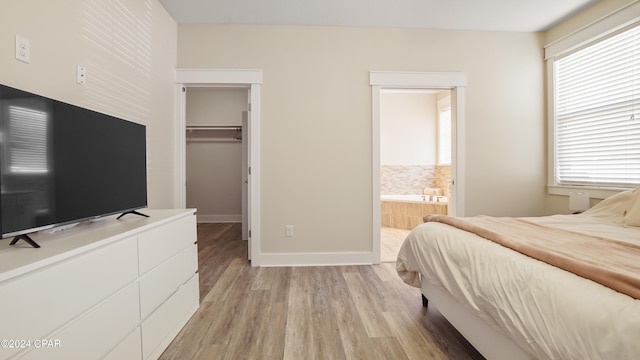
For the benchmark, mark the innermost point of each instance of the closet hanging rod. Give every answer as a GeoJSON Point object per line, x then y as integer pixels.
{"type": "Point", "coordinates": [214, 127]}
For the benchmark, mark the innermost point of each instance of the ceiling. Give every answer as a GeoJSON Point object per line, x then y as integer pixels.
{"type": "Point", "coordinates": [491, 15]}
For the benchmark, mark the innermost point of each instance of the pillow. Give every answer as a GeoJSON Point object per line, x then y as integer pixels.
{"type": "Point", "coordinates": [614, 206]}
{"type": "Point", "coordinates": [632, 217]}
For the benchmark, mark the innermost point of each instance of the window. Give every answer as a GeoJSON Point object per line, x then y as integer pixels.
{"type": "Point", "coordinates": [597, 133]}
{"type": "Point", "coordinates": [444, 131]}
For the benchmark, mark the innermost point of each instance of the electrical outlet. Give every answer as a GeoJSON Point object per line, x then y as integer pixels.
{"type": "Point", "coordinates": [289, 231]}
{"type": "Point", "coordinates": [23, 50]}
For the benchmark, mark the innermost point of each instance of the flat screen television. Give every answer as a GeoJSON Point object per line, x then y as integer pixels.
{"type": "Point", "coordinates": [62, 164]}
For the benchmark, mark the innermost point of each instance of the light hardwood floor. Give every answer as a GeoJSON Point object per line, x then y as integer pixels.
{"type": "Point", "coordinates": [333, 312]}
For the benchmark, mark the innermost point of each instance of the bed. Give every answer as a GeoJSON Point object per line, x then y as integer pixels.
{"type": "Point", "coordinates": [511, 304]}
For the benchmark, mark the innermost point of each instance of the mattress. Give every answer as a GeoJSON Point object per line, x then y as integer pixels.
{"type": "Point", "coordinates": [548, 312]}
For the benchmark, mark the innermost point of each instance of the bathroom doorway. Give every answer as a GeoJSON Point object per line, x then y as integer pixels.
{"type": "Point", "coordinates": [446, 184]}
{"type": "Point", "coordinates": [415, 161]}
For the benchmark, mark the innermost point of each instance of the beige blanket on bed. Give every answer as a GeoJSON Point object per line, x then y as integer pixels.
{"type": "Point", "coordinates": [612, 263]}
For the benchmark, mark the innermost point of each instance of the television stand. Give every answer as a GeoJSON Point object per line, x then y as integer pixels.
{"type": "Point", "coordinates": [132, 212]}
{"type": "Point", "coordinates": [68, 286]}
{"type": "Point", "coordinates": [26, 238]}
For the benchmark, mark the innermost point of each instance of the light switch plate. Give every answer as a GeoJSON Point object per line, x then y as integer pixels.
{"type": "Point", "coordinates": [81, 75]}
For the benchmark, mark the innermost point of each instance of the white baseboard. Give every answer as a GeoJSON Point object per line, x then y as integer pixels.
{"type": "Point", "coordinates": [218, 218]}
{"type": "Point", "coordinates": [314, 259]}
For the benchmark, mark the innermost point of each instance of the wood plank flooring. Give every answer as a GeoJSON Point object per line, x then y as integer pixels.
{"type": "Point", "coordinates": [333, 312]}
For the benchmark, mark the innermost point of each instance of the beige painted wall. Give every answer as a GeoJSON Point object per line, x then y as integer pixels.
{"type": "Point", "coordinates": [132, 79]}
{"type": "Point", "coordinates": [316, 120]}
{"type": "Point", "coordinates": [216, 105]}
{"type": "Point", "coordinates": [214, 177]}
{"type": "Point", "coordinates": [408, 128]}
{"type": "Point", "coordinates": [214, 158]}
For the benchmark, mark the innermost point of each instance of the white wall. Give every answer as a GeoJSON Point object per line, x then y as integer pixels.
{"type": "Point", "coordinates": [316, 120]}
{"type": "Point", "coordinates": [408, 128]}
{"type": "Point", "coordinates": [130, 67]}
{"type": "Point", "coordinates": [213, 158]}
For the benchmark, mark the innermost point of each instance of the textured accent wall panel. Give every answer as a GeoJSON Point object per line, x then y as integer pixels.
{"type": "Point", "coordinates": [119, 35]}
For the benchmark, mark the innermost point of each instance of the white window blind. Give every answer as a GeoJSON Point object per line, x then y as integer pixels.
{"type": "Point", "coordinates": [444, 135]}
{"type": "Point", "coordinates": [597, 134]}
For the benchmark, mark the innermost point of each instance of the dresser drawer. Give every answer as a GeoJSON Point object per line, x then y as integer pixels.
{"type": "Point", "coordinates": [35, 304]}
{"type": "Point", "coordinates": [164, 324]}
{"type": "Point", "coordinates": [129, 348]}
{"type": "Point", "coordinates": [96, 332]}
{"type": "Point", "coordinates": [161, 243]}
{"type": "Point", "coordinates": [157, 285]}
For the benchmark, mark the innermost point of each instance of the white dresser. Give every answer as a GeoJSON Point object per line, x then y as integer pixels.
{"type": "Point", "coordinates": [112, 289]}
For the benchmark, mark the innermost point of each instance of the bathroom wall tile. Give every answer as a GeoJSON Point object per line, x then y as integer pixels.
{"type": "Point", "coordinates": [399, 215]}
{"type": "Point", "coordinates": [385, 207]}
{"type": "Point", "coordinates": [412, 179]}
{"type": "Point", "coordinates": [441, 179]}
{"type": "Point", "coordinates": [405, 179]}
{"type": "Point", "coordinates": [386, 220]}
{"type": "Point", "coordinates": [428, 209]}
{"type": "Point", "coordinates": [407, 215]}
{"type": "Point", "coordinates": [414, 209]}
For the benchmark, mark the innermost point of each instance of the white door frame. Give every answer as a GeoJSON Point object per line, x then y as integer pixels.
{"type": "Point", "coordinates": [252, 79]}
{"type": "Point", "coordinates": [454, 81]}
{"type": "Point", "coordinates": [244, 179]}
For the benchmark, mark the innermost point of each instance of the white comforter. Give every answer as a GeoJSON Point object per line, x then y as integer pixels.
{"type": "Point", "coordinates": [548, 312]}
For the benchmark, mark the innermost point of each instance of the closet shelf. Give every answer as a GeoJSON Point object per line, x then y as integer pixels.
{"type": "Point", "coordinates": [214, 127]}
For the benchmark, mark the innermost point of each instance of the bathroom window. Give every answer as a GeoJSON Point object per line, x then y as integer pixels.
{"type": "Point", "coordinates": [444, 131]}
{"type": "Point", "coordinates": [597, 134]}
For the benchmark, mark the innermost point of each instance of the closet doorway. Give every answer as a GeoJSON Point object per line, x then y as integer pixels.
{"type": "Point", "coordinates": [216, 156]}
{"type": "Point", "coordinates": [220, 110]}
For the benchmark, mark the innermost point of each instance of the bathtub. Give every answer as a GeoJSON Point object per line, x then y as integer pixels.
{"type": "Point", "coordinates": [407, 211]}
{"type": "Point", "coordinates": [413, 198]}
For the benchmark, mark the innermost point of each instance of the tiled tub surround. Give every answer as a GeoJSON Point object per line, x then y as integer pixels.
{"type": "Point", "coordinates": [408, 181]}
{"type": "Point", "coordinates": [412, 179]}
{"type": "Point", "coordinates": [442, 179]}
{"type": "Point", "coordinates": [403, 213]}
